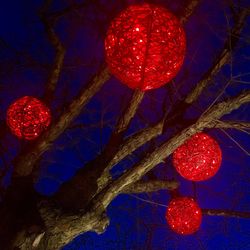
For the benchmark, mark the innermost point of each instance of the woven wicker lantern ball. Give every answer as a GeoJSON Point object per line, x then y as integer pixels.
{"type": "Point", "coordinates": [145, 46]}
{"type": "Point", "coordinates": [199, 158]}
{"type": "Point", "coordinates": [28, 117]}
{"type": "Point", "coordinates": [184, 215]}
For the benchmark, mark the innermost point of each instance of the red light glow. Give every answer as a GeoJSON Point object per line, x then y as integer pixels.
{"type": "Point", "coordinates": [199, 158]}
{"type": "Point", "coordinates": [28, 117]}
{"type": "Point", "coordinates": [184, 215]}
{"type": "Point", "coordinates": [145, 46]}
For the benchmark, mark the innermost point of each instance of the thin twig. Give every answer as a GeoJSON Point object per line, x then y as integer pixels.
{"type": "Point", "coordinates": [222, 59]}
{"type": "Point", "coordinates": [236, 142]}
{"type": "Point", "coordinates": [59, 53]}
{"type": "Point", "coordinates": [226, 213]}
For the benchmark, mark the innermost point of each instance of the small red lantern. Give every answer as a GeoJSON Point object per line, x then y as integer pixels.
{"type": "Point", "coordinates": [28, 117]}
{"type": "Point", "coordinates": [184, 215]}
{"type": "Point", "coordinates": [199, 158]}
{"type": "Point", "coordinates": [145, 46]}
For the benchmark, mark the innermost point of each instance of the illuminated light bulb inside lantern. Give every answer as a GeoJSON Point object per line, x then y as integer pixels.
{"type": "Point", "coordinates": [28, 117]}
{"type": "Point", "coordinates": [153, 38]}
{"type": "Point", "coordinates": [184, 215]}
{"type": "Point", "coordinates": [199, 158]}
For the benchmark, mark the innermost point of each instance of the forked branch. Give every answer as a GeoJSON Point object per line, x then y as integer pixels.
{"type": "Point", "coordinates": [25, 162]}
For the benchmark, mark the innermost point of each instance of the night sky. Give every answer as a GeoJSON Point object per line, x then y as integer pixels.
{"type": "Point", "coordinates": [136, 221]}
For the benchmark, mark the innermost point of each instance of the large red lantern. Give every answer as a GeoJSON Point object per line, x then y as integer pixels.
{"type": "Point", "coordinates": [199, 158]}
{"type": "Point", "coordinates": [184, 215]}
{"type": "Point", "coordinates": [145, 46]}
{"type": "Point", "coordinates": [28, 117]}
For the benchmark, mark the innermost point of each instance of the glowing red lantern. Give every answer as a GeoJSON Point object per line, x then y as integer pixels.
{"type": "Point", "coordinates": [199, 158]}
{"type": "Point", "coordinates": [145, 46]}
{"type": "Point", "coordinates": [28, 117]}
{"type": "Point", "coordinates": [184, 215]}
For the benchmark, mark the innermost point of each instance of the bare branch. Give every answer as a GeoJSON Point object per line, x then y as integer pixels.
{"type": "Point", "coordinates": [58, 225]}
{"type": "Point", "coordinates": [159, 154]}
{"type": "Point", "coordinates": [223, 108]}
{"type": "Point", "coordinates": [57, 64]}
{"type": "Point", "coordinates": [233, 124]}
{"type": "Point", "coordinates": [135, 141]}
{"type": "Point", "coordinates": [129, 112]}
{"type": "Point", "coordinates": [59, 49]}
{"type": "Point", "coordinates": [188, 11]}
{"type": "Point", "coordinates": [24, 163]}
{"type": "Point", "coordinates": [147, 134]}
{"type": "Point", "coordinates": [222, 59]}
{"type": "Point", "coordinates": [226, 213]}
{"type": "Point", "coordinates": [61, 229]}
{"type": "Point", "coordinates": [151, 186]}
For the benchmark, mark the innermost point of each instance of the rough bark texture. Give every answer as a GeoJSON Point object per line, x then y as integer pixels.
{"type": "Point", "coordinates": [87, 220]}
{"type": "Point", "coordinates": [25, 162]}
{"type": "Point", "coordinates": [81, 203]}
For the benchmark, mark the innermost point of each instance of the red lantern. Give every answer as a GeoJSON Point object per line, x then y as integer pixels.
{"type": "Point", "coordinates": [145, 46]}
{"type": "Point", "coordinates": [28, 117]}
{"type": "Point", "coordinates": [184, 215]}
{"type": "Point", "coordinates": [199, 158]}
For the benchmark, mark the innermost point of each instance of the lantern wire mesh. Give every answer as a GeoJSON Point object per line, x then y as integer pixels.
{"type": "Point", "coordinates": [199, 158]}
{"type": "Point", "coordinates": [145, 46]}
{"type": "Point", "coordinates": [184, 215]}
{"type": "Point", "coordinates": [28, 117]}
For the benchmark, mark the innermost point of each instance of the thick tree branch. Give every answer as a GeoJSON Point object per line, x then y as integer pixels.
{"type": "Point", "coordinates": [96, 171]}
{"type": "Point", "coordinates": [135, 141]}
{"type": "Point", "coordinates": [129, 112]}
{"type": "Point", "coordinates": [139, 139]}
{"type": "Point", "coordinates": [25, 162]}
{"type": "Point", "coordinates": [86, 221]}
{"type": "Point", "coordinates": [162, 152]}
{"type": "Point", "coordinates": [60, 224]}
{"type": "Point", "coordinates": [226, 213]}
{"type": "Point", "coordinates": [151, 186]}
{"type": "Point", "coordinates": [117, 135]}
{"type": "Point", "coordinates": [62, 228]}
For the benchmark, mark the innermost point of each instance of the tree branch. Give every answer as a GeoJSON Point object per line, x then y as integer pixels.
{"type": "Point", "coordinates": [59, 56]}
{"type": "Point", "coordinates": [129, 113]}
{"type": "Point", "coordinates": [151, 186]}
{"type": "Point", "coordinates": [96, 171]}
{"type": "Point", "coordinates": [139, 139]}
{"type": "Point", "coordinates": [25, 162]}
{"type": "Point", "coordinates": [222, 59]}
{"type": "Point", "coordinates": [189, 9]}
{"type": "Point", "coordinates": [159, 154]}
{"type": "Point", "coordinates": [232, 124]}
{"type": "Point", "coordinates": [57, 64]}
{"type": "Point", "coordinates": [226, 213]}
{"type": "Point", "coordinates": [62, 228]}
{"type": "Point", "coordinates": [135, 141]}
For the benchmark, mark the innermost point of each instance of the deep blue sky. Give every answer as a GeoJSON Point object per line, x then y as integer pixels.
{"type": "Point", "coordinates": [25, 58]}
